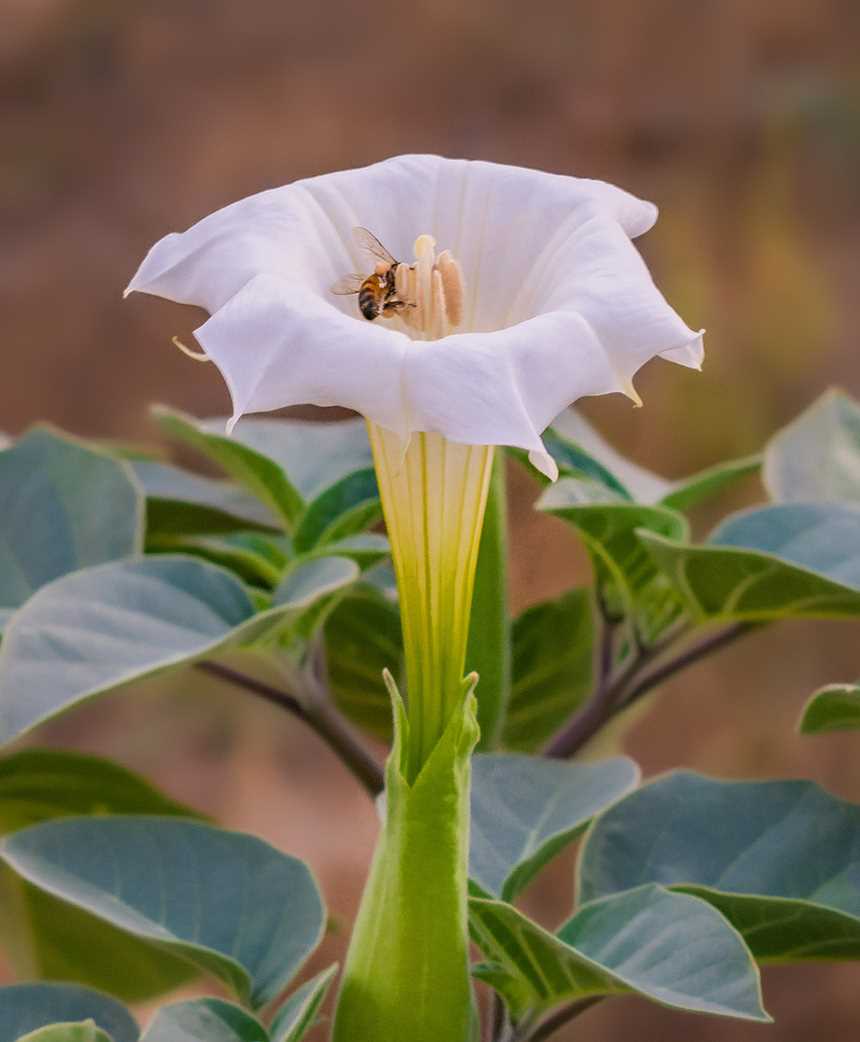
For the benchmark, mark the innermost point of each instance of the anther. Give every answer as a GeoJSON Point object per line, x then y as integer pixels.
{"type": "Point", "coordinates": [433, 286]}
{"type": "Point", "coordinates": [452, 286]}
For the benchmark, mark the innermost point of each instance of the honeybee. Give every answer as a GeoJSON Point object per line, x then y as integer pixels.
{"type": "Point", "coordinates": [377, 292]}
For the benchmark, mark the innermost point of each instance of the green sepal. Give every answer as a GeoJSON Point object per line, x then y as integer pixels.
{"type": "Point", "coordinates": [407, 971]}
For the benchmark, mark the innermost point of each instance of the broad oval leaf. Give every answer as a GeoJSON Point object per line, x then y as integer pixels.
{"type": "Point", "coordinates": [348, 506]}
{"type": "Point", "coordinates": [552, 668]}
{"type": "Point", "coordinates": [46, 939]}
{"type": "Point", "coordinates": [778, 859]}
{"type": "Point", "coordinates": [262, 476]}
{"type": "Point", "coordinates": [363, 638]}
{"type": "Point", "coordinates": [311, 589]}
{"type": "Point", "coordinates": [315, 455]}
{"type": "Point", "coordinates": [525, 810]}
{"type": "Point", "coordinates": [817, 456]}
{"type": "Point", "coordinates": [790, 561]}
{"type": "Point", "coordinates": [300, 1012]}
{"type": "Point", "coordinates": [251, 556]}
{"type": "Point", "coordinates": [25, 1008]}
{"type": "Point", "coordinates": [83, 1031]}
{"type": "Point", "coordinates": [313, 578]}
{"type": "Point", "coordinates": [630, 581]}
{"type": "Point", "coordinates": [670, 948]}
{"type": "Point", "coordinates": [179, 502]}
{"type": "Point", "coordinates": [832, 708]}
{"type": "Point", "coordinates": [825, 538]}
{"type": "Point", "coordinates": [204, 1020]}
{"type": "Point", "coordinates": [707, 483]}
{"type": "Point", "coordinates": [581, 452]}
{"type": "Point", "coordinates": [42, 784]}
{"type": "Point", "coordinates": [63, 506]}
{"type": "Point", "coordinates": [102, 628]}
{"type": "Point", "coordinates": [228, 903]}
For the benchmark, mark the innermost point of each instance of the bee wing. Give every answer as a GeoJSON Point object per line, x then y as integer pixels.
{"type": "Point", "coordinates": [366, 240]}
{"type": "Point", "coordinates": [348, 284]}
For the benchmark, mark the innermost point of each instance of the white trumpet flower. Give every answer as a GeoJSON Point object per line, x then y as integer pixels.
{"type": "Point", "coordinates": [537, 298]}
{"type": "Point", "coordinates": [557, 302]}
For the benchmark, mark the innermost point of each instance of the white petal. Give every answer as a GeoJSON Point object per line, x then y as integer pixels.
{"type": "Point", "coordinates": [277, 346]}
{"type": "Point", "coordinates": [559, 304]}
{"type": "Point", "coordinates": [499, 221]}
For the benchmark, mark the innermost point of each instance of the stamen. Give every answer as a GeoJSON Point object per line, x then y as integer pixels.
{"type": "Point", "coordinates": [432, 289]}
{"type": "Point", "coordinates": [198, 356]}
{"type": "Point", "coordinates": [438, 313]}
{"type": "Point", "coordinates": [452, 286]}
{"type": "Point", "coordinates": [401, 282]}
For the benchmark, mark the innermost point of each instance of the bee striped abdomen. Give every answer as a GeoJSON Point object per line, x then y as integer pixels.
{"type": "Point", "coordinates": [370, 297]}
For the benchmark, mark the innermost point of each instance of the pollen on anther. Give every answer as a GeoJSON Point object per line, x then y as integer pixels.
{"type": "Point", "coordinates": [452, 286]}
{"type": "Point", "coordinates": [438, 310]}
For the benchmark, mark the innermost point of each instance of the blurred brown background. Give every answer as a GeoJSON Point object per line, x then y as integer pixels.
{"type": "Point", "coordinates": [123, 120]}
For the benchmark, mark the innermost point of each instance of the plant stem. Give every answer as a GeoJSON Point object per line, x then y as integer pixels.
{"type": "Point", "coordinates": [563, 1016]}
{"type": "Point", "coordinates": [613, 695]}
{"type": "Point", "coordinates": [694, 652]}
{"type": "Point", "coordinates": [319, 716]}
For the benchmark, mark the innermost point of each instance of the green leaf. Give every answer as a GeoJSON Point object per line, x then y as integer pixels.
{"type": "Point", "coordinates": [489, 648]}
{"type": "Point", "coordinates": [204, 1020]}
{"type": "Point", "coordinates": [817, 456]}
{"type": "Point", "coordinates": [256, 472]}
{"type": "Point", "coordinates": [299, 1013]}
{"type": "Point", "coordinates": [629, 579]}
{"type": "Point", "coordinates": [84, 1031]}
{"type": "Point", "coordinates": [366, 549]}
{"type": "Point", "coordinates": [793, 560]}
{"type": "Point", "coordinates": [832, 708]}
{"type": "Point", "coordinates": [525, 810]}
{"type": "Point", "coordinates": [314, 455]}
{"type": "Point", "coordinates": [778, 859]}
{"type": "Point", "coordinates": [692, 490]}
{"type": "Point", "coordinates": [552, 668]}
{"type": "Point", "coordinates": [670, 948]}
{"type": "Point", "coordinates": [41, 784]}
{"type": "Point", "coordinates": [581, 452]}
{"type": "Point", "coordinates": [27, 1007]}
{"type": "Point", "coordinates": [180, 503]}
{"type": "Point", "coordinates": [102, 628]}
{"type": "Point", "coordinates": [251, 556]}
{"type": "Point", "coordinates": [228, 903]}
{"type": "Point", "coordinates": [62, 507]}
{"type": "Point", "coordinates": [363, 638]}
{"type": "Point", "coordinates": [45, 938]}
{"type": "Point", "coordinates": [348, 506]}
{"type": "Point", "coordinates": [311, 589]}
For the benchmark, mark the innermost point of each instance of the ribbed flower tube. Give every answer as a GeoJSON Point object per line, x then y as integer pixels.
{"type": "Point", "coordinates": [433, 497]}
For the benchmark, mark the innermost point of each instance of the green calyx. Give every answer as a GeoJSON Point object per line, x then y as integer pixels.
{"type": "Point", "coordinates": [407, 972]}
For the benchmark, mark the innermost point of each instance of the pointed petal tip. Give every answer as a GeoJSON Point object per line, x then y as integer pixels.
{"type": "Point", "coordinates": [542, 461]}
